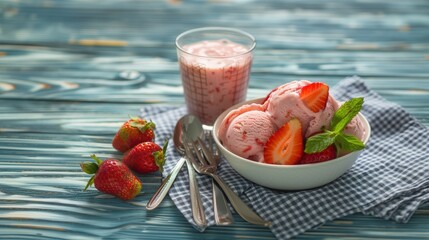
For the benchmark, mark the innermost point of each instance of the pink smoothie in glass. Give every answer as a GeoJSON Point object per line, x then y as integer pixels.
{"type": "Point", "coordinates": [215, 76]}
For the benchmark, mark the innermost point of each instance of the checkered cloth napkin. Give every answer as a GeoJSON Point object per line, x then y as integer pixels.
{"type": "Point", "coordinates": [389, 180]}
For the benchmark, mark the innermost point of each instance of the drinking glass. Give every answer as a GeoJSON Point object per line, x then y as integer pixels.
{"type": "Point", "coordinates": [215, 68]}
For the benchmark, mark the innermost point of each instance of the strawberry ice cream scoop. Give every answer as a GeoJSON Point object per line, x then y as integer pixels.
{"type": "Point", "coordinates": [285, 103]}
{"type": "Point", "coordinates": [246, 133]}
{"type": "Point", "coordinates": [284, 107]}
{"type": "Point", "coordinates": [226, 123]}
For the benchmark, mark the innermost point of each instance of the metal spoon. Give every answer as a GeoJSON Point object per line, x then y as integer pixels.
{"type": "Point", "coordinates": [222, 214]}
{"type": "Point", "coordinates": [196, 204]}
{"type": "Point", "coordinates": [194, 129]}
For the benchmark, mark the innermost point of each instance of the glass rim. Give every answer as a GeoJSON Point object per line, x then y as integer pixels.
{"type": "Point", "coordinates": [234, 30]}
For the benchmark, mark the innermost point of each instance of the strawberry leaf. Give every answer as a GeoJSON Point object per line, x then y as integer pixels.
{"type": "Point", "coordinates": [345, 114]}
{"type": "Point", "coordinates": [348, 142]}
{"type": "Point", "coordinates": [319, 142]}
{"type": "Point", "coordinates": [134, 118]}
{"type": "Point", "coordinates": [89, 167]}
{"type": "Point", "coordinates": [136, 124]}
{"type": "Point", "coordinates": [148, 125]}
{"type": "Point", "coordinates": [99, 161]}
{"type": "Point", "coordinates": [142, 125]}
{"type": "Point", "coordinates": [164, 147]}
{"type": "Point", "coordinates": [90, 182]}
{"type": "Point", "coordinates": [159, 158]}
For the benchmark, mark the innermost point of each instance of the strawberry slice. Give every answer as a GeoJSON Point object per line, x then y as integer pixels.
{"type": "Point", "coordinates": [285, 146]}
{"type": "Point", "coordinates": [315, 96]}
{"type": "Point", "coordinates": [328, 154]}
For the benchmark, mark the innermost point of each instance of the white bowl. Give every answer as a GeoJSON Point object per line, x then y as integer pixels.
{"type": "Point", "coordinates": [288, 177]}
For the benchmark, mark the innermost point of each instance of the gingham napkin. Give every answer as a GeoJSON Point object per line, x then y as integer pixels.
{"type": "Point", "coordinates": [389, 180]}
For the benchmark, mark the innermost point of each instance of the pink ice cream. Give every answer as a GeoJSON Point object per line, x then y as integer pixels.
{"type": "Point", "coordinates": [245, 131]}
{"type": "Point", "coordinates": [356, 128]}
{"type": "Point", "coordinates": [284, 104]}
{"type": "Point", "coordinates": [249, 130]}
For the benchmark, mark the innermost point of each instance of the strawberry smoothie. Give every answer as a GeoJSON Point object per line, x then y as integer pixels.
{"type": "Point", "coordinates": [215, 75]}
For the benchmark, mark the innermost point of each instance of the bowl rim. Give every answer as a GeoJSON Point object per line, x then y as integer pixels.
{"type": "Point", "coordinates": [220, 118]}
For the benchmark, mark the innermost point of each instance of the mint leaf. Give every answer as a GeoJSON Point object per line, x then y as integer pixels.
{"type": "Point", "coordinates": [342, 117]}
{"type": "Point", "coordinates": [319, 142]}
{"type": "Point", "coordinates": [348, 142]}
{"type": "Point", "coordinates": [345, 114]}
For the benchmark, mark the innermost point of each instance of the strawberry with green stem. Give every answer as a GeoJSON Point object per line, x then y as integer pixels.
{"type": "Point", "coordinates": [112, 177]}
{"type": "Point", "coordinates": [146, 157]}
{"type": "Point", "coordinates": [133, 132]}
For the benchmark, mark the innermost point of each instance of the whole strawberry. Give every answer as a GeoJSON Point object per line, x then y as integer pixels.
{"type": "Point", "coordinates": [133, 132]}
{"type": "Point", "coordinates": [146, 157]}
{"type": "Point", "coordinates": [112, 177]}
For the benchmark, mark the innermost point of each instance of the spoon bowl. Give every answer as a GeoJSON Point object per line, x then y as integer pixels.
{"type": "Point", "coordinates": [191, 125]}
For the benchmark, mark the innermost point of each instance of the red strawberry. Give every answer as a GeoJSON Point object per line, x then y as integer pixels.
{"type": "Point", "coordinates": [112, 177]}
{"type": "Point", "coordinates": [328, 154]}
{"type": "Point", "coordinates": [285, 146]}
{"type": "Point", "coordinates": [315, 96]}
{"type": "Point", "coordinates": [146, 157]}
{"type": "Point", "coordinates": [133, 132]}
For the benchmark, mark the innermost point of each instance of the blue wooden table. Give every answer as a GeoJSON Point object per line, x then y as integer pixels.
{"type": "Point", "coordinates": [72, 71]}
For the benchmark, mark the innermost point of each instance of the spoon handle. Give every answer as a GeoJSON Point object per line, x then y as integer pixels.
{"type": "Point", "coordinates": [222, 213]}
{"type": "Point", "coordinates": [196, 203]}
{"type": "Point", "coordinates": [242, 209]}
{"type": "Point", "coordinates": [163, 189]}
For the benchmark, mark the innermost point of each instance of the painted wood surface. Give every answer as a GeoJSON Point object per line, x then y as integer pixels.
{"type": "Point", "coordinates": [72, 71]}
